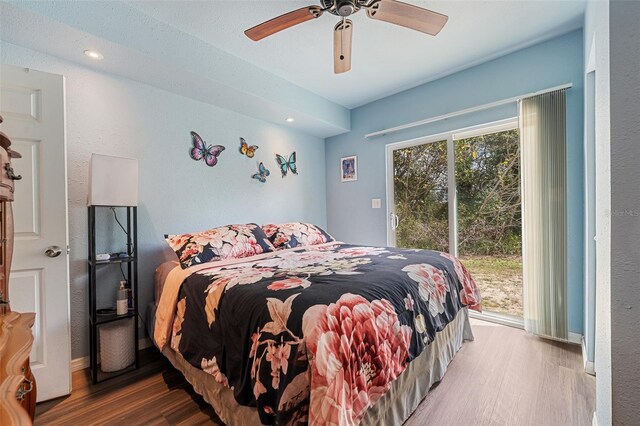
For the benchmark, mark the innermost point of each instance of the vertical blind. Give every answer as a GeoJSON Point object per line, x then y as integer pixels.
{"type": "Point", "coordinates": [544, 213]}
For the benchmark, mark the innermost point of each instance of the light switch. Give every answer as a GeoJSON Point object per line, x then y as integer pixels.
{"type": "Point", "coordinates": [376, 203]}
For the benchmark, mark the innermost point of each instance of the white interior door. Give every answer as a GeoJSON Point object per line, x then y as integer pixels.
{"type": "Point", "coordinates": [32, 104]}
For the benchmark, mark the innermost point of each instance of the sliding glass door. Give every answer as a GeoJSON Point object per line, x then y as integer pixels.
{"type": "Point", "coordinates": [460, 193]}
{"type": "Point", "coordinates": [489, 214]}
{"type": "Point", "coordinates": [420, 183]}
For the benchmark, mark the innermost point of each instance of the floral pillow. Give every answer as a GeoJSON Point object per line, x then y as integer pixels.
{"type": "Point", "coordinates": [225, 242]}
{"type": "Point", "coordinates": [295, 234]}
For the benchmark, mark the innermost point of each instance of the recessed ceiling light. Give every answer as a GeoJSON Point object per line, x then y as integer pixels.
{"type": "Point", "coordinates": [93, 54]}
{"type": "Point", "coordinates": [289, 120]}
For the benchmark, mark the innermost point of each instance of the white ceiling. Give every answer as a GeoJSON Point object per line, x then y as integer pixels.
{"type": "Point", "coordinates": [386, 58]}
{"type": "Point", "coordinates": [198, 49]}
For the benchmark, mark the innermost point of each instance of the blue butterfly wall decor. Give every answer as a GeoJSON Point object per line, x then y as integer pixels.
{"type": "Point", "coordinates": [201, 151]}
{"type": "Point", "coordinates": [285, 165]}
{"type": "Point", "coordinates": [262, 174]}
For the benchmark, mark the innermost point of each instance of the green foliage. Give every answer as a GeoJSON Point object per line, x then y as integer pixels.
{"type": "Point", "coordinates": [421, 196]}
{"type": "Point", "coordinates": [487, 173]}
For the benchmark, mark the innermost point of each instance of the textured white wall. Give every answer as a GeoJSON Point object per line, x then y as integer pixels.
{"type": "Point", "coordinates": [625, 208]}
{"type": "Point", "coordinates": [596, 35]}
{"type": "Point", "coordinates": [111, 115]}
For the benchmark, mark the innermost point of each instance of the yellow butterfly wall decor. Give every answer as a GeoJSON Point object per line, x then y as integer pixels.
{"type": "Point", "coordinates": [246, 149]}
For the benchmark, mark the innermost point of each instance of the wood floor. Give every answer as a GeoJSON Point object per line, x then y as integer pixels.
{"type": "Point", "coordinates": [504, 377]}
{"type": "Point", "coordinates": [509, 377]}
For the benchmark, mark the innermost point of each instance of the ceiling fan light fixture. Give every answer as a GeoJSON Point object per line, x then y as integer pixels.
{"type": "Point", "coordinates": [346, 8]}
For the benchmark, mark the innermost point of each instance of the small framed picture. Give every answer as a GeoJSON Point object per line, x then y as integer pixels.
{"type": "Point", "coordinates": [349, 169]}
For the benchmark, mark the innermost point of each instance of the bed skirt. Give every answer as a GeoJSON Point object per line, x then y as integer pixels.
{"type": "Point", "coordinates": [393, 408]}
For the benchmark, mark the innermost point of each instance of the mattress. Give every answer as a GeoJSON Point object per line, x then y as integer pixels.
{"type": "Point", "coordinates": [331, 334]}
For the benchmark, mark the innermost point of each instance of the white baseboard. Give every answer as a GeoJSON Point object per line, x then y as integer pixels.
{"type": "Point", "coordinates": [79, 363]}
{"type": "Point", "coordinates": [594, 420]}
{"type": "Point", "coordinates": [83, 362]}
{"type": "Point", "coordinates": [589, 366]}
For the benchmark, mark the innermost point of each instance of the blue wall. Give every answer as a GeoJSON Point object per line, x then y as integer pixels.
{"type": "Point", "coordinates": [548, 64]}
{"type": "Point", "coordinates": [110, 115]}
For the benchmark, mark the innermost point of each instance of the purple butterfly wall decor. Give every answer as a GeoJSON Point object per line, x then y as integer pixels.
{"type": "Point", "coordinates": [201, 151]}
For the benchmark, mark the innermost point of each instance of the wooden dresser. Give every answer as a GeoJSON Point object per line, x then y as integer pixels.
{"type": "Point", "coordinates": [17, 384]}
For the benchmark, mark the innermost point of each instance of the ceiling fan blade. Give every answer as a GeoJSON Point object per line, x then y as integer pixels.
{"type": "Point", "coordinates": [283, 22]}
{"type": "Point", "coordinates": [408, 15]}
{"type": "Point", "coordinates": [342, 46]}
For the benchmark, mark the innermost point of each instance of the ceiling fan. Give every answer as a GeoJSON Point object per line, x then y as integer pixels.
{"type": "Point", "coordinates": [395, 12]}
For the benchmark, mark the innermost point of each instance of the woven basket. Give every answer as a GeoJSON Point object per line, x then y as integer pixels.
{"type": "Point", "coordinates": [117, 348]}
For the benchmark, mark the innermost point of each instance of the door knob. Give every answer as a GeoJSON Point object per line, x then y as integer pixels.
{"type": "Point", "coordinates": [53, 251]}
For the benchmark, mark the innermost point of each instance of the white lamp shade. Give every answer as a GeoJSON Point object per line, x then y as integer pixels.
{"type": "Point", "coordinates": [113, 181]}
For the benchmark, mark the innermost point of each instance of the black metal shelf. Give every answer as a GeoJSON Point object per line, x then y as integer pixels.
{"type": "Point", "coordinates": [103, 319]}
{"type": "Point", "coordinates": [112, 261]}
{"type": "Point", "coordinates": [102, 376]}
{"type": "Point", "coordinates": [131, 271]}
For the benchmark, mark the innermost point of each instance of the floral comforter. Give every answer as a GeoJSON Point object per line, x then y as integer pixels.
{"type": "Point", "coordinates": [317, 335]}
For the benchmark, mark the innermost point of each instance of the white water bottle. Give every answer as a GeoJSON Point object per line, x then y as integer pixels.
{"type": "Point", "coordinates": [121, 300]}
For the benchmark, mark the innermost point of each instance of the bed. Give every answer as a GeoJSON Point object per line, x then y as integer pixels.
{"type": "Point", "coordinates": [329, 333]}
